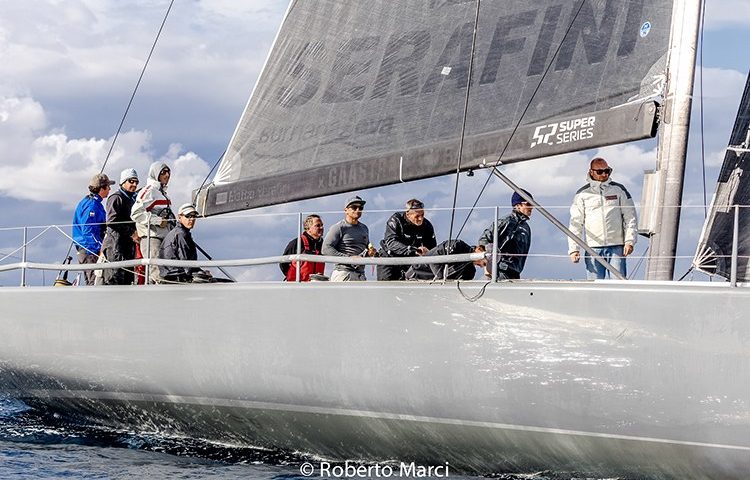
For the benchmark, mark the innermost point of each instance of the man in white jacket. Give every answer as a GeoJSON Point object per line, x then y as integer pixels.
{"type": "Point", "coordinates": [603, 214]}
{"type": "Point", "coordinates": [152, 214]}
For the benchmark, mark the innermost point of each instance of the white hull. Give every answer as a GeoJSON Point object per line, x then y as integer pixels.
{"type": "Point", "coordinates": [609, 378]}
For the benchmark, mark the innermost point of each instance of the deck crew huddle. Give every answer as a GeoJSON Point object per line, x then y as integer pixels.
{"type": "Point", "coordinates": [408, 234]}
{"type": "Point", "coordinates": [141, 223]}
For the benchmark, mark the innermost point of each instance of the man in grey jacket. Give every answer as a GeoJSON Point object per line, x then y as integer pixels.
{"type": "Point", "coordinates": [349, 238]}
{"type": "Point", "coordinates": [603, 214]}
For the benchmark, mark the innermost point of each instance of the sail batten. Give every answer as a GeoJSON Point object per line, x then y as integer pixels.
{"type": "Point", "coordinates": [360, 94]}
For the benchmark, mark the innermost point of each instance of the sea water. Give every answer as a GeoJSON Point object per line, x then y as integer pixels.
{"type": "Point", "coordinates": [36, 445]}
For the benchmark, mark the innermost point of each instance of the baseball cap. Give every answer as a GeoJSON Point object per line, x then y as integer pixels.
{"type": "Point", "coordinates": [100, 180]}
{"type": "Point", "coordinates": [354, 199]}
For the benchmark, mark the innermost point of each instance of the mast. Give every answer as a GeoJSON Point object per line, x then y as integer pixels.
{"type": "Point", "coordinates": [672, 149]}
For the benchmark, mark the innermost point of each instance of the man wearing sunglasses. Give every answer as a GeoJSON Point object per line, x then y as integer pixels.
{"type": "Point", "coordinates": [603, 214]}
{"type": "Point", "coordinates": [119, 244]}
{"type": "Point", "coordinates": [179, 245]}
{"type": "Point", "coordinates": [349, 238]}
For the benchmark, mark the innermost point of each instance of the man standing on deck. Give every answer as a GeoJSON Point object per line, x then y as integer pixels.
{"type": "Point", "coordinates": [349, 238]}
{"type": "Point", "coordinates": [603, 210]}
{"type": "Point", "coordinates": [119, 244]}
{"type": "Point", "coordinates": [89, 223]}
{"type": "Point", "coordinates": [407, 234]}
{"type": "Point", "coordinates": [152, 214]}
{"type": "Point", "coordinates": [513, 238]}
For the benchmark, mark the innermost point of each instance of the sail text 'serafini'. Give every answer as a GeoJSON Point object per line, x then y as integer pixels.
{"type": "Point", "coordinates": [360, 94]}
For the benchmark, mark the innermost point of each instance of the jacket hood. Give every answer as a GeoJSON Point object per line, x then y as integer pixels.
{"type": "Point", "coordinates": [154, 169]}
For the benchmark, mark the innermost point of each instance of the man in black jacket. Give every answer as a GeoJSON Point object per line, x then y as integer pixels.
{"type": "Point", "coordinates": [119, 243]}
{"type": "Point", "coordinates": [451, 271]}
{"type": "Point", "coordinates": [178, 244]}
{"type": "Point", "coordinates": [513, 238]}
{"type": "Point", "coordinates": [407, 234]}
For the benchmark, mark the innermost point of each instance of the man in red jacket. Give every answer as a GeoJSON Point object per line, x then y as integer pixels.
{"type": "Point", "coordinates": [311, 242]}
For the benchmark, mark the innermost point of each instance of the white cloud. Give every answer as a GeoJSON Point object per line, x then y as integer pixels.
{"type": "Point", "coordinates": [49, 166]}
{"type": "Point", "coordinates": [723, 13]}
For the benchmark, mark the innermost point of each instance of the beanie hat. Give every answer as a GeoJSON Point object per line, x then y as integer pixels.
{"type": "Point", "coordinates": [516, 198]}
{"type": "Point", "coordinates": [127, 174]}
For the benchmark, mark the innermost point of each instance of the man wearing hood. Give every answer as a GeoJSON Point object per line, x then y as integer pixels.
{"type": "Point", "coordinates": [603, 214]}
{"type": "Point", "coordinates": [152, 214]}
{"type": "Point", "coordinates": [119, 244]}
{"type": "Point", "coordinates": [513, 238]}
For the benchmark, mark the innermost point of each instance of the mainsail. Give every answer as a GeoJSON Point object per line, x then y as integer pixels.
{"type": "Point", "coordinates": [360, 94]}
{"type": "Point", "coordinates": [733, 188]}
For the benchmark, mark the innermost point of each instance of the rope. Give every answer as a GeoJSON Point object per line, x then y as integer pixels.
{"type": "Point", "coordinates": [135, 90]}
{"type": "Point", "coordinates": [475, 297]}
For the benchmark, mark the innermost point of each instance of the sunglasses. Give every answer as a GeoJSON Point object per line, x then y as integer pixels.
{"type": "Point", "coordinates": [191, 215]}
{"type": "Point", "coordinates": [166, 170]}
{"type": "Point", "coordinates": [602, 171]}
{"type": "Point", "coordinates": [134, 181]}
{"type": "Point", "coordinates": [356, 207]}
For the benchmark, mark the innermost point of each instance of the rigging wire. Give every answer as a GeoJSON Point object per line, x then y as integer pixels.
{"type": "Point", "coordinates": [221, 157]}
{"type": "Point", "coordinates": [703, 139]}
{"type": "Point", "coordinates": [463, 121]}
{"type": "Point", "coordinates": [138, 83]}
{"type": "Point", "coordinates": [520, 119]}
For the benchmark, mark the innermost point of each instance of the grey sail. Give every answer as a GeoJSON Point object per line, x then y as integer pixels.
{"type": "Point", "coordinates": [361, 94]}
{"type": "Point", "coordinates": [714, 254]}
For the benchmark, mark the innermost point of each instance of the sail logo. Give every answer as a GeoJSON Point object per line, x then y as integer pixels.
{"type": "Point", "coordinates": [564, 132]}
{"type": "Point", "coordinates": [541, 138]}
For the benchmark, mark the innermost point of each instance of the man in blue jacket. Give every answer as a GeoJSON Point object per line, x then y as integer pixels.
{"type": "Point", "coordinates": [89, 223]}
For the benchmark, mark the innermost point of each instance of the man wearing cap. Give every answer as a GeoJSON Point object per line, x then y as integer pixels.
{"type": "Point", "coordinates": [513, 237]}
{"type": "Point", "coordinates": [178, 244]}
{"type": "Point", "coordinates": [152, 213]}
{"type": "Point", "coordinates": [349, 238]}
{"type": "Point", "coordinates": [605, 212]}
{"type": "Point", "coordinates": [449, 271]}
{"type": "Point", "coordinates": [119, 244]}
{"type": "Point", "coordinates": [407, 234]}
{"type": "Point", "coordinates": [89, 223]}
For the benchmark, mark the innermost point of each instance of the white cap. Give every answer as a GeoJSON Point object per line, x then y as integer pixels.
{"type": "Point", "coordinates": [187, 209]}
{"type": "Point", "coordinates": [127, 174]}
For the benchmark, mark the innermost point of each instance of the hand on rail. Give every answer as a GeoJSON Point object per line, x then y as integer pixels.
{"type": "Point", "coordinates": [575, 257]}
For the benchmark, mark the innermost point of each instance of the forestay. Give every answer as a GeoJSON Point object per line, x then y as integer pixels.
{"type": "Point", "coordinates": [733, 188]}
{"type": "Point", "coordinates": [359, 94]}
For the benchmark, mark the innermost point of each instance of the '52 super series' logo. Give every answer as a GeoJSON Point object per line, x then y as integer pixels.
{"type": "Point", "coordinates": [563, 132]}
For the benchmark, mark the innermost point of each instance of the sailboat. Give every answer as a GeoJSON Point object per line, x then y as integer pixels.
{"type": "Point", "coordinates": [641, 378]}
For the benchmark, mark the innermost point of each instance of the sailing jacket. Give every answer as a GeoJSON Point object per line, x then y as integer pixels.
{"type": "Point", "coordinates": [89, 224]}
{"type": "Point", "coordinates": [605, 212]}
{"type": "Point", "coordinates": [178, 245]}
{"type": "Point", "coordinates": [153, 199]}
{"type": "Point", "coordinates": [403, 238]}
{"type": "Point", "coordinates": [310, 246]}
{"type": "Point", "coordinates": [514, 241]}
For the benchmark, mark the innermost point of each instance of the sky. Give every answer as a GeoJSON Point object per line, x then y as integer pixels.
{"type": "Point", "coordinates": [68, 68]}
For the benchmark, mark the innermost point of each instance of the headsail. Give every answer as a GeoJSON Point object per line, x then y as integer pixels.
{"type": "Point", "coordinates": [733, 188]}
{"type": "Point", "coordinates": [360, 94]}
